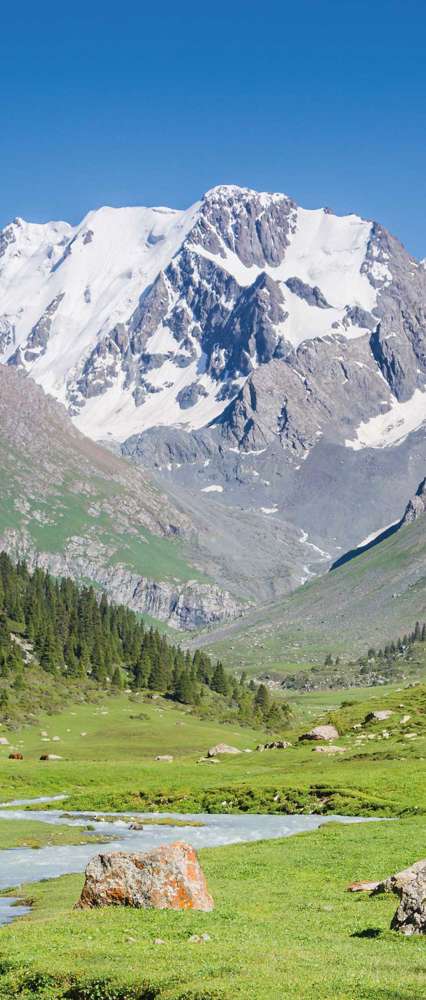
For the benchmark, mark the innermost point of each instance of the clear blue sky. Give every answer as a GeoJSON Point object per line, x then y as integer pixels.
{"type": "Point", "coordinates": [127, 103]}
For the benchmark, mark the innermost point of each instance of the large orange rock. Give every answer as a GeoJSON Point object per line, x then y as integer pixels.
{"type": "Point", "coordinates": [166, 878]}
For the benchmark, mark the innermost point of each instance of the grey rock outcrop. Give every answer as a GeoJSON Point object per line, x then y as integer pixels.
{"type": "Point", "coordinates": [416, 506]}
{"type": "Point", "coordinates": [410, 886]}
{"type": "Point", "coordinates": [222, 748]}
{"type": "Point", "coordinates": [326, 732]}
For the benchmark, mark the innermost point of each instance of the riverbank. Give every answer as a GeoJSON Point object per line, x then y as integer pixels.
{"type": "Point", "coordinates": [284, 927]}
{"type": "Point", "coordinates": [109, 759]}
{"type": "Point", "coordinates": [16, 833]}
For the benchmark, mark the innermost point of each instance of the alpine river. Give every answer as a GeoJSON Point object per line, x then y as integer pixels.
{"type": "Point", "coordinates": [25, 864]}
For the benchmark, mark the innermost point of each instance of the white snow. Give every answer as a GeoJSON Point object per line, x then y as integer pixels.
{"type": "Point", "coordinates": [375, 534]}
{"type": "Point", "coordinates": [304, 541]}
{"type": "Point", "coordinates": [269, 510]}
{"type": "Point", "coordinates": [393, 426]}
{"type": "Point", "coordinates": [214, 488]}
{"type": "Point", "coordinates": [102, 266]}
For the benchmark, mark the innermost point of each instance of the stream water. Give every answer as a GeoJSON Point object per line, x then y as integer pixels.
{"type": "Point", "coordinates": [24, 864]}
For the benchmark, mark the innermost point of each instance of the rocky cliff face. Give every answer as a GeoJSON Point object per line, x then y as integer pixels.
{"type": "Point", "coordinates": [416, 506]}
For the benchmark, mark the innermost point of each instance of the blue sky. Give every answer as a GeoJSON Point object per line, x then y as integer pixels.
{"type": "Point", "coordinates": [129, 104]}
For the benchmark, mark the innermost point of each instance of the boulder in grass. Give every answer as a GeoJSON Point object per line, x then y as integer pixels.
{"type": "Point", "coordinates": [221, 748]}
{"type": "Point", "coordinates": [326, 732]}
{"type": "Point", "coordinates": [165, 757]}
{"type": "Point", "coordinates": [4, 742]}
{"type": "Point", "coordinates": [330, 749]}
{"type": "Point", "coordinates": [166, 878]}
{"type": "Point", "coordinates": [410, 886]}
{"type": "Point", "coordinates": [380, 716]}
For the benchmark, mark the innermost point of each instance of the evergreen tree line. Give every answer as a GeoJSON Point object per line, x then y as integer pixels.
{"type": "Point", "coordinates": [390, 651]}
{"type": "Point", "coordinates": [74, 633]}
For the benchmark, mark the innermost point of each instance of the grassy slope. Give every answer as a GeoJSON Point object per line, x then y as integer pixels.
{"type": "Point", "coordinates": [113, 766]}
{"type": "Point", "coordinates": [370, 600]}
{"type": "Point", "coordinates": [283, 928]}
{"type": "Point", "coordinates": [80, 499]}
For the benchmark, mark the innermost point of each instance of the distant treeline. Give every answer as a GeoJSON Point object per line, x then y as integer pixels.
{"type": "Point", "coordinates": [381, 666]}
{"type": "Point", "coordinates": [71, 631]}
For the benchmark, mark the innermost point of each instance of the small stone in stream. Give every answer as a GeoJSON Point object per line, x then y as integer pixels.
{"type": "Point", "coordinates": [380, 716]}
{"type": "Point", "coordinates": [166, 757]}
{"type": "Point", "coordinates": [135, 825]}
{"type": "Point", "coordinates": [362, 886]}
{"type": "Point", "coordinates": [326, 732]}
{"type": "Point", "coordinates": [221, 748]}
{"type": "Point", "coordinates": [168, 877]}
{"type": "Point", "coordinates": [410, 886]}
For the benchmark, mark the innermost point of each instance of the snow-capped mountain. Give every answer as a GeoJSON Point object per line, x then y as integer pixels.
{"type": "Point", "coordinates": [139, 317]}
{"type": "Point", "coordinates": [267, 360]}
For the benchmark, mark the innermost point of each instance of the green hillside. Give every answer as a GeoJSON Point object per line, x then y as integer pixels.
{"type": "Point", "coordinates": [369, 601]}
{"type": "Point", "coordinates": [78, 508]}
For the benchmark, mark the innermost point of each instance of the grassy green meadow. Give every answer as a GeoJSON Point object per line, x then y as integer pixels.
{"type": "Point", "coordinates": [284, 927]}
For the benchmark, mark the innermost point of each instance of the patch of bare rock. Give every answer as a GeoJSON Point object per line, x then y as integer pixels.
{"type": "Point", "coordinates": [221, 748]}
{"type": "Point", "coordinates": [168, 877]}
{"type": "Point", "coordinates": [379, 716]}
{"type": "Point", "coordinates": [326, 732]}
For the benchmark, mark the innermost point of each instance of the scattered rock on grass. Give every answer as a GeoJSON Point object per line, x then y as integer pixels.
{"type": "Point", "coordinates": [168, 877]}
{"type": "Point", "coordinates": [379, 716]}
{"type": "Point", "coordinates": [221, 748]}
{"type": "Point", "coordinates": [165, 757]}
{"type": "Point", "coordinates": [362, 886]}
{"type": "Point", "coordinates": [275, 745]}
{"type": "Point", "coordinates": [410, 886]}
{"type": "Point", "coordinates": [326, 732]}
{"type": "Point", "coordinates": [330, 749]}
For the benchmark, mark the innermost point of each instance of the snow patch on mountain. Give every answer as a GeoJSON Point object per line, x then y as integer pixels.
{"type": "Point", "coordinates": [393, 426]}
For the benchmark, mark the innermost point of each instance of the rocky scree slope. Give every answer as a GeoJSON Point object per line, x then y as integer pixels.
{"type": "Point", "coordinates": [79, 510]}
{"type": "Point", "coordinates": [266, 361]}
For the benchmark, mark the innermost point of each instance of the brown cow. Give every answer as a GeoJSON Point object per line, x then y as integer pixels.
{"type": "Point", "coordinates": [15, 756]}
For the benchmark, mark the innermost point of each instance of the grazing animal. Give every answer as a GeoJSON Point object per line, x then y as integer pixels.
{"type": "Point", "coordinates": [15, 756]}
